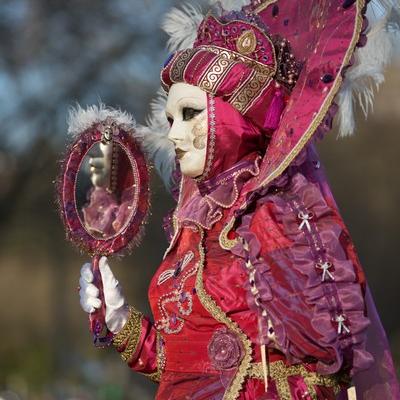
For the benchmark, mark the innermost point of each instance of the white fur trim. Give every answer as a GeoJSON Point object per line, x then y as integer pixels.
{"type": "Point", "coordinates": [367, 73]}
{"type": "Point", "coordinates": [80, 119]}
{"type": "Point", "coordinates": [181, 25]}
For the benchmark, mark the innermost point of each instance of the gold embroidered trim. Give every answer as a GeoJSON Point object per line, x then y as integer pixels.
{"type": "Point", "coordinates": [177, 227]}
{"type": "Point", "coordinates": [174, 223]}
{"type": "Point", "coordinates": [212, 130]}
{"type": "Point", "coordinates": [231, 55]}
{"type": "Point", "coordinates": [249, 91]}
{"type": "Point", "coordinates": [215, 74]}
{"type": "Point", "coordinates": [249, 61]}
{"type": "Point", "coordinates": [155, 376]}
{"type": "Point", "coordinates": [232, 392]}
{"type": "Point", "coordinates": [316, 122]}
{"type": "Point", "coordinates": [247, 43]}
{"type": "Point", "coordinates": [224, 241]}
{"type": "Point", "coordinates": [161, 358]}
{"type": "Point", "coordinates": [161, 361]}
{"type": "Point", "coordinates": [130, 334]}
{"type": "Point", "coordinates": [180, 64]}
{"type": "Point", "coordinates": [264, 5]}
{"type": "Point", "coordinates": [279, 372]}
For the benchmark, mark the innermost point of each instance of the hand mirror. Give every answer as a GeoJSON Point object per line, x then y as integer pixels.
{"type": "Point", "coordinates": [103, 193]}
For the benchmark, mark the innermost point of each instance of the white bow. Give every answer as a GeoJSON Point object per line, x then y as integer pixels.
{"type": "Point", "coordinates": [306, 218]}
{"type": "Point", "coordinates": [340, 319]}
{"type": "Point", "coordinates": [326, 266]}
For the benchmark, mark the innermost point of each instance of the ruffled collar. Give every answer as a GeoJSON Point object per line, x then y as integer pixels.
{"type": "Point", "coordinates": [206, 205]}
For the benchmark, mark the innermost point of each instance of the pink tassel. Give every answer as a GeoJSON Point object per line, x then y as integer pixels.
{"type": "Point", "coordinates": [275, 110]}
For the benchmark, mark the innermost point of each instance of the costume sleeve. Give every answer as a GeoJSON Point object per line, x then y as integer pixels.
{"type": "Point", "coordinates": [138, 343]}
{"type": "Point", "coordinates": [306, 278]}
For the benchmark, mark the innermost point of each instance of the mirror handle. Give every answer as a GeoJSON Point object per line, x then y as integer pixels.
{"type": "Point", "coordinates": [102, 337]}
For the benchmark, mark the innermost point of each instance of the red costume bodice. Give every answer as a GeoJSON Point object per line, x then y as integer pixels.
{"type": "Point", "coordinates": [208, 337]}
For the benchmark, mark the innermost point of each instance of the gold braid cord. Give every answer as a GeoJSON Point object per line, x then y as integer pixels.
{"type": "Point", "coordinates": [280, 373]}
{"type": "Point", "coordinates": [224, 241]}
{"type": "Point", "coordinates": [232, 392]}
{"type": "Point", "coordinates": [129, 335]}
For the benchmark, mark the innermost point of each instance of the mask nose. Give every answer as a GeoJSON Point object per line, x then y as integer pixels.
{"type": "Point", "coordinates": [175, 134]}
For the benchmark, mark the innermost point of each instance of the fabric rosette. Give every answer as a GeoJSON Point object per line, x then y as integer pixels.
{"type": "Point", "coordinates": [225, 349]}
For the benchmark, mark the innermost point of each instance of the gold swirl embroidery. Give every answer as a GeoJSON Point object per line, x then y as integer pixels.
{"type": "Point", "coordinates": [249, 91]}
{"type": "Point", "coordinates": [177, 71]}
{"type": "Point", "coordinates": [232, 392]}
{"type": "Point", "coordinates": [215, 74]}
{"type": "Point", "coordinates": [280, 373]}
{"type": "Point", "coordinates": [231, 55]}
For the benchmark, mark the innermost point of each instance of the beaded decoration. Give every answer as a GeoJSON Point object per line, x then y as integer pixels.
{"type": "Point", "coordinates": [173, 322]}
{"type": "Point", "coordinates": [288, 68]}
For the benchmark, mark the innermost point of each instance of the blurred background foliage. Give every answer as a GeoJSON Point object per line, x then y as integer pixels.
{"type": "Point", "coordinates": [54, 54]}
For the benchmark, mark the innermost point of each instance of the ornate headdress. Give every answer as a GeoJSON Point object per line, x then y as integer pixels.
{"type": "Point", "coordinates": [235, 58]}
{"type": "Point", "coordinates": [320, 37]}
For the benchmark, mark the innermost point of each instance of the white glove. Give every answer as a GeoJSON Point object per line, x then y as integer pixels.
{"type": "Point", "coordinates": [117, 311]}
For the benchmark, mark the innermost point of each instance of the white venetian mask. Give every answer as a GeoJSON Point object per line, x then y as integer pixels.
{"type": "Point", "coordinates": [187, 113]}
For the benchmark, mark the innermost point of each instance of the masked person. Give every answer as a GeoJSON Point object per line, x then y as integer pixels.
{"type": "Point", "coordinates": [260, 294]}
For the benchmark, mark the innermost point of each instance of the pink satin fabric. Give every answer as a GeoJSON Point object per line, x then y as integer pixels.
{"type": "Point", "coordinates": [235, 137]}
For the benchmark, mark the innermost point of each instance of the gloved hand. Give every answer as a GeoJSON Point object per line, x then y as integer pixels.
{"type": "Point", "coordinates": [117, 311]}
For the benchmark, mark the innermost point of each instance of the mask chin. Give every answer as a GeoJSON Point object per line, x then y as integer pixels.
{"type": "Point", "coordinates": [194, 163]}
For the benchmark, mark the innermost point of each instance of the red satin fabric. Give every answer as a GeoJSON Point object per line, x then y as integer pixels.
{"type": "Point", "coordinates": [189, 372]}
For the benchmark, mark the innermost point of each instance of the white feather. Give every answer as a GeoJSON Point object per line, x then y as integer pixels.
{"type": "Point", "coordinates": [80, 119]}
{"type": "Point", "coordinates": [367, 73]}
{"type": "Point", "coordinates": [231, 5]}
{"type": "Point", "coordinates": [155, 139]}
{"type": "Point", "coordinates": [181, 25]}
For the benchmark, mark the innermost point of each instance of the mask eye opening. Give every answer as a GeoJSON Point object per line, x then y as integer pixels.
{"type": "Point", "coordinates": [189, 113]}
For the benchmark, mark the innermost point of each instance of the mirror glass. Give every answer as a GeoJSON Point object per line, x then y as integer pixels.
{"type": "Point", "coordinates": [106, 190]}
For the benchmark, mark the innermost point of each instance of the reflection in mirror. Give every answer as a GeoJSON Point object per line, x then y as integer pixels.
{"type": "Point", "coordinates": [106, 190]}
